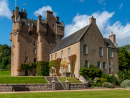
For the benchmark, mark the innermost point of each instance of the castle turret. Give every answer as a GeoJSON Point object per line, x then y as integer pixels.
{"type": "Point", "coordinates": [18, 24]}
{"type": "Point", "coordinates": [16, 13]}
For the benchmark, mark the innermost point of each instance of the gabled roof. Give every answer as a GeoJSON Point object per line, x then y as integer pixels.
{"type": "Point", "coordinates": [109, 43]}
{"type": "Point", "coordinates": [72, 39]}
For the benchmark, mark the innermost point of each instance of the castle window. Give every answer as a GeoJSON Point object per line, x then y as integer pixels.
{"type": "Point", "coordinates": [104, 65]}
{"type": "Point", "coordinates": [55, 56]}
{"type": "Point", "coordinates": [30, 33]}
{"type": "Point", "coordinates": [111, 53]}
{"type": "Point", "coordinates": [68, 51]}
{"type": "Point", "coordinates": [86, 64]}
{"type": "Point", "coordinates": [34, 50]}
{"type": "Point", "coordinates": [85, 49]}
{"type": "Point", "coordinates": [34, 43]}
{"type": "Point", "coordinates": [62, 54]}
{"type": "Point", "coordinates": [100, 51]}
{"type": "Point", "coordinates": [35, 60]}
{"type": "Point", "coordinates": [53, 35]}
{"type": "Point", "coordinates": [53, 26]}
{"type": "Point", "coordinates": [98, 64]}
{"type": "Point", "coordinates": [30, 24]}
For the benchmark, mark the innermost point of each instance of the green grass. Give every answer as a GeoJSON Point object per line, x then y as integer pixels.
{"type": "Point", "coordinates": [70, 79]}
{"type": "Point", "coordinates": [71, 94]}
{"type": "Point", "coordinates": [5, 73]}
{"type": "Point", "coordinates": [22, 80]}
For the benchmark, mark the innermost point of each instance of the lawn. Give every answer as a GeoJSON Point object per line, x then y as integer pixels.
{"type": "Point", "coordinates": [70, 79]}
{"type": "Point", "coordinates": [71, 94]}
{"type": "Point", "coordinates": [5, 73]}
{"type": "Point", "coordinates": [22, 80]}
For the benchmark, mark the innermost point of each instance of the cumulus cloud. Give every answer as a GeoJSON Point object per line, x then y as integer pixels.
{"type": "Point", "coordinates": [4, 9]}
{"type": "Point", "coordinates": [103, 22]}
{"type": "Point", "coordinates": [121, 6]}
{"type": "Point", "coordinates": [42, 11]}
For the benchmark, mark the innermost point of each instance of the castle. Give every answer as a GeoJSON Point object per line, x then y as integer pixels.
{"type": "Point", "coordinates": [41, 40]}
{"type": "Point", "coordinates": [33, 40]}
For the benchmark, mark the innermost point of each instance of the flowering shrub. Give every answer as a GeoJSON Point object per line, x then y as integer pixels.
{"type": "Point", "coordinates": [108, 85]}
{"type": "Point", "coordinates": [125, 83]}
{"type": "Point", "coordinates": [64, 64]}
{"type": "Point", "coordinates": [72, 62]}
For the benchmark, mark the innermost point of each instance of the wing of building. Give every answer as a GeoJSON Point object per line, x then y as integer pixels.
{"type": "Point", "coordinates": [90, 47]}
{"type": "Point", "coordinates": [33, 40]}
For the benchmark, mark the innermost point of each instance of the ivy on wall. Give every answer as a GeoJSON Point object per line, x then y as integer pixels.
{"type": "Point", "coordinates": [72, 62]}
{"type": "Point", "coordinates": [56, 64]}
{"type": "Point", "coordinates": [24, 66]}
{"type": "Point", "coordinates": [64, 64]}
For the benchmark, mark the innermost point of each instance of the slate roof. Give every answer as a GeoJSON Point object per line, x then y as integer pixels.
{"type": "Point", "coordinates": [72, 39]}
{"type": "Point", "coordinates": [109, 43]}
{"type": "Point", "coordinates": [19, 19]}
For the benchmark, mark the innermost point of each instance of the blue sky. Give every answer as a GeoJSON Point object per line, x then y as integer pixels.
{"type": "Point", "coordinates": [112, 15]}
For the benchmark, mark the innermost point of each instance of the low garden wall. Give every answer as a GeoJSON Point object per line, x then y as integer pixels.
{"type": "Point", "coordinates": [74, 86]}
{"type": "Point", "coordinates": [26, 87]}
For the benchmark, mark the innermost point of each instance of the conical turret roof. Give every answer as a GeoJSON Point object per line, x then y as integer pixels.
{"type": "Point", "coordinates": [19, 19]}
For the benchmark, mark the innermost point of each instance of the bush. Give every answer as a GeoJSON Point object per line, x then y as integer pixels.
{"type": "Point", "coordinates": [108, 85]}
{"type": "Point", "coordinates": [2, 66]}
{"type": "Point", "coordinates": [90, 72]}
{"type": "Point", "coordinates": [104, 76]}
{"type": "Point", "coordinates": [123, 75]}
{"type": "Point", "coordinates": [97, 84]}
{"type": "Point", "coordinates": [42, 68]}
{"type": "Point", "coordinates": [125, 83]}
{"type": "Point", "coordinates": [9, 66]}
{"type": "Point", "coordinates": [113, 80]}
{"type": "Point", "coordinates": [33, 65]}
{"type": "Point", "coordinates": [102, 80]}
{"type": "Point", "coordinates": [24, 66]}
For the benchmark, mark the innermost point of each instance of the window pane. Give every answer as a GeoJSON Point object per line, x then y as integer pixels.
{"type": "Point", "coordinates": [111, 53]}
{"type": "Point", "coordinates": [85, 49]}
{"type": "Point", "coordinates": [100, 51]}
{"type": "Point", "coordinates": [86, 64]}
{"type": "Point", "coordinates": [98, 65]}
{"type": "Point", "coordinates": [104, 65]}
{"type": "Point", "coordinates": [56, 56]}
{"type": "Point", "coordinates": [68, 51]}
{"type": "Point", "coordinates": [61, 54]}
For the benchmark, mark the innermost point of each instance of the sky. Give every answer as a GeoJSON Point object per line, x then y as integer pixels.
{"type": "Point", "coordinates": [111, 16]}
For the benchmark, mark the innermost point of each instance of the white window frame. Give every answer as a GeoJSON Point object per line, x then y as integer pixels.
{"type": "Point", "coordinates": [55, 56]}
{"type": "Point", "coordinates": [103, 65]}
{"type": "Point", "coordinates": [86, 49]}
{"type": "Point", "coordinates": [100, 51]}
{"type": "Point", "coordinates": [111, 53]}
{"type": "Point", "coordinates": [87, 65]}
{"type": "Point", "coordinates": [51, 57]}
{"type": "Point", "coordinates": [62, 54]}
{"type": "Point", "coordinates": [100, 64]}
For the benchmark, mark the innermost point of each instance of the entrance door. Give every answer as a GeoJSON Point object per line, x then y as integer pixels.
{"type": "Point", "coordinates": [26, 72]}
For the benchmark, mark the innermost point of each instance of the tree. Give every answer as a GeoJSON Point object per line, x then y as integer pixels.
{"type": "Point", "coordinates": [124, 58]}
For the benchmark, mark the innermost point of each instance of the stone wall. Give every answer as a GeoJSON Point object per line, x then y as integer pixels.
{"type": "Point", "coordinates": [74, 86]}
{"type": "Point", "coordinates": [26, 87]}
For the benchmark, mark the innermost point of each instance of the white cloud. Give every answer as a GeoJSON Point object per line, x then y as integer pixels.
{"type": "Point", "coordinates": [121, 6]}
{"type": "Point", "coordinates": [42, 11]}
{"type": "Point", "coordinates": [103, 22]}
{"type": "Point", "coordinates": [4, 9]}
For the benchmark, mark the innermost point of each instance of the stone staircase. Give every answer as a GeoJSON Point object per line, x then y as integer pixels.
{"type": "Point", "coordinates": [82, 79]}
{"type": "Point", "coordinates": [57, 81]}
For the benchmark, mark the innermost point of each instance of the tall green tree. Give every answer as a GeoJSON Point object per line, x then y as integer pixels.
{"type": "Point", "coordinates": [124, 58]}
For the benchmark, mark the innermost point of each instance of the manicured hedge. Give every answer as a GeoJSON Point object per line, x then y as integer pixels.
{"type": "Point", "coordinates": [42, 68]}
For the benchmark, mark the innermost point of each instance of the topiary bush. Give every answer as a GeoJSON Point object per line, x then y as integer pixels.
{"type": "Point", "coordinates": [125, 83]}
{"type": "Point", "coordinates": [42, 68]}
{"type": "Point", "coordinates": [108, 85]}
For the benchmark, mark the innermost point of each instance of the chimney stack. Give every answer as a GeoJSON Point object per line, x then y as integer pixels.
{"type": "Point", "coordinates": [92, 20]}
{"type": "Point", "coordinates": [112, 37]}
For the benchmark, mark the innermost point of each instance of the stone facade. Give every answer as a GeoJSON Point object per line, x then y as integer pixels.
{"type": "Point", "coordinates": [101, 52]}
{"type": "Point", "coordinates": [33, 40]}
